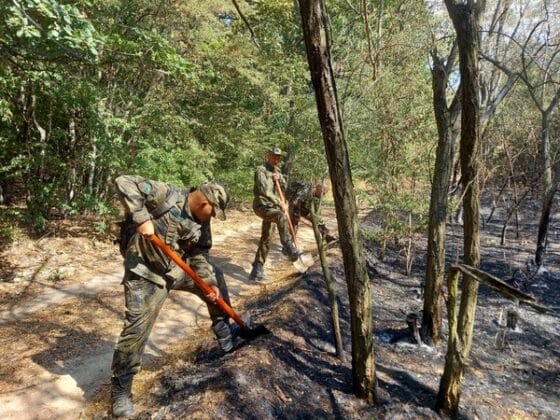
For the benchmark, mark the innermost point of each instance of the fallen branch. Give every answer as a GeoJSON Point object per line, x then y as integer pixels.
{"type": "Point", "coordinates": [500, 286]}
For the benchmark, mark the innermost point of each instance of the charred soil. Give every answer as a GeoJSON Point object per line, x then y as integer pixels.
{"type": "Point", "coordinates": [294, 372]}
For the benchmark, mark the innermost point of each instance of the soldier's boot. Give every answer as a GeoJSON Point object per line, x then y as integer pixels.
{"type": "Point", "coordinates": [293, 251]}
{"type": "Point", "coordinates": [121, 396]}
{"type": "Point", "coordinates": [257, 273]}
{"type": "Point", "coordinates": [228, 336]}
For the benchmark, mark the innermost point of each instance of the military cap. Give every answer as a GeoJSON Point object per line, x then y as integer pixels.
{"type": "Point", "coordinates": [218, 196]}
{"type": "Point", "coordinates": [275, 151]}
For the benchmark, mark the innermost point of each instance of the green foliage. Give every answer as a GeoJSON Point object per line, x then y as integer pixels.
{"type": "Point", "coordinates": [9, 234]}
{"type": "Point", "coordinates": [10, 220]}
{"type": "Point", "coordinates": [48, 28]}
{"type": "Point", "coordinates": [177, 91]}
{"type": "Point", "coordinates": [101, 227]}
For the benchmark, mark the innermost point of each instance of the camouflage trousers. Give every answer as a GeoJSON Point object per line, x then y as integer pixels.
{"type": "Point", "coordinates": [143, 301]}
{"type": "Point", "coordinates": [269, 217]}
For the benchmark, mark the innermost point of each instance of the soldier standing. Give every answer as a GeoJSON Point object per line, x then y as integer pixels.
{"type": "Point", "coordinates": [268, 206]}
{"type": "Point", "coordinates": [181, 218]}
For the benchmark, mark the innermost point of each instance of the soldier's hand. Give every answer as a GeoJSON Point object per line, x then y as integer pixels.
{"type": "Point", "coordinates": [146, 229]}
{"type": "Point", "coordinates": [275, 176]}
{"type": "Point", "coordinates": [212, 297]}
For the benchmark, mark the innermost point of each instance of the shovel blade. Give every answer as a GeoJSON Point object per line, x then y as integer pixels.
{"type": "Point", "coordinates": [250, 333]}
{"type": "Point", "coordinates": [303, 262]}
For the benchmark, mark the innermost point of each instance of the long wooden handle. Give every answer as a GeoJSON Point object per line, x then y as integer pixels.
{"type": "Point", "coordinates": [199, 282]}
{"type": "Point", "coordinates": [286, 212]}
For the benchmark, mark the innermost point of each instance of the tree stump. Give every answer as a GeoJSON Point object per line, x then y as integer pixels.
{"type": "Point", "coordinates": [412, 322]}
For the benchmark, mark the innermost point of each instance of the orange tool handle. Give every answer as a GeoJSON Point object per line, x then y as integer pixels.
{"type": "Point", "coordinates": [199, 282]}
{"type": "Point", "coordinates": [287, 212]}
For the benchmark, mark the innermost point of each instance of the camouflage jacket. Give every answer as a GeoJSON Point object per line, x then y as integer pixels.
{"type": "Point", "coordinates": [168, 207]}
{"type": "Point", "coordinates": [264, 190]}
{"type": "Point", "coordinates": [300, 196]}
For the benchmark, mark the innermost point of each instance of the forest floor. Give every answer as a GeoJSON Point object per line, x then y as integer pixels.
{"type": "Point", "coordinates": [61, 311]}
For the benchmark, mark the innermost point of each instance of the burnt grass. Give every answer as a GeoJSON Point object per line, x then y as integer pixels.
{"type": "Point", "coordinates": [293, 373]}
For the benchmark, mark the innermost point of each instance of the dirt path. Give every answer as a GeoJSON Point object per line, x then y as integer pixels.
{"type": "Point", "coordinates": [60, 338]}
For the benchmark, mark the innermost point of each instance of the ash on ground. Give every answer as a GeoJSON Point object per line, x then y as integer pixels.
{"type": "Point", "coordinates": [293, 372]}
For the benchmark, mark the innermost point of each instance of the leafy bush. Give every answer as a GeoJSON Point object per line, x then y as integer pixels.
{"type": "Point", "coordinates": [9, 234]}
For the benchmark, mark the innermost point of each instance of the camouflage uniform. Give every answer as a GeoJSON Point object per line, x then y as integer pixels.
{"type": "Point", "coordinates": [266, 205]}
{"type": "Point", "coordinates": [149, 274]}
{"type": "Point", "coordinates": [301, 197]}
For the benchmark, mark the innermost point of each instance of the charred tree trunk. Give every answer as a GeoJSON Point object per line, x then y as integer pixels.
{"type": "Point", "coordinates": [466, 17]}
{"type": "Point", "coordinates": [435, 266]}
{"type": "Point", "coordinates": [358, 283]}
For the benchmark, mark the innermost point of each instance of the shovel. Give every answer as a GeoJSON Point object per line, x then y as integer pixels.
{"type": "Point", "coordinates": [247, 332]}
{"type": "Point", "coordinates": [305, 260]}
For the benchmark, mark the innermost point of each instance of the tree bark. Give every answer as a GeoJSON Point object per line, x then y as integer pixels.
{"type": "Point", "coordinates": [545, 219]}
{"type": "Point", "coordinates": [450, 384]}
{"type": "Point", "coordinates": [547, 189]}
{"type": "Point", "coordinates": [92, 165]}
{"type": "Point", "coordinates": [435, 265]}
{"type": "Point", "coordinates": [72, 173]}
{"type": "Point", "coordinates": [466, 18]}
{"type": "Point", "coordinates": [335, 319]}
{"type": "Point", "coordinates": [358, 283]}
{"type": "Point", "coordinates": [458, 347]}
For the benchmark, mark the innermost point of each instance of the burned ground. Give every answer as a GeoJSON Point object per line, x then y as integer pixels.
{"type": "Point", "coordinates": [294, 373]}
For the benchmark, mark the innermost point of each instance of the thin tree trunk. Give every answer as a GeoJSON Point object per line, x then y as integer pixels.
{"type": "Point", "coordinates": [72, 174]}
{"type": "Point", "coordinates": [92, 166]}
{"type": "Point", "coordinates": [515, 205]}
{"type": "Point", "coordinates": [496, 199]}
{"type": "Point", "coordinates": [24, 103]}
{"type": "Point", "coordinates": [466, 18]}
{"type": "Point", "coordinates": [335, 320]}
{"type": "Point", "coordinates": [409, 248]}
{"type": "Point", "coordinates": [458, 347]}
{"type": "Point", "coordinates": [435, 265]}
{"type": "Point", "coordinates": [512, 210]}
{"type": "Point", "coordinates": [545, 220]}
{"type": "Point", "coordinates": [42, 139]}
{"type": "Point", "coordinates": [547, 193]}
{"type": "Point", "coordinates": [450, 383]}
{"type": "Point", "coordinates": [358, 283]}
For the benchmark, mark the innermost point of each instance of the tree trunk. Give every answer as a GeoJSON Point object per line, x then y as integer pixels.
{"type": "Point", "coordinates": [450, 383]}
{"type": "Point", "coordinates": [72, 173]}
{"type": "Point", "coordinates": [358, 282]}
{"type": "Point", "coordinates": [547, 190]}
{"type": "Point", "coordinates": [545, 219]}
{"type": "Point", "coordinates": [335, 320]}
{"type": "Point", "coordinates": [435, 265]}
{"type": "Point", "coordinates": [92, 165]}
{"type": "Point", "coordinates": [458, 347]}
{"type": "Point", "coordinates": [42, 139]}
{"type": "Point", "coordinates": [466, 19]}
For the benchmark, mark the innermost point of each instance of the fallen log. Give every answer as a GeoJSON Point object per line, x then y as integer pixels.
{"type": "Point", "coordinates": [500, 286]}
